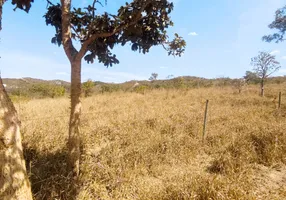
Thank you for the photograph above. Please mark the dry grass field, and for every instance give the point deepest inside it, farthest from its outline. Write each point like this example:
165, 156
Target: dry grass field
150, 146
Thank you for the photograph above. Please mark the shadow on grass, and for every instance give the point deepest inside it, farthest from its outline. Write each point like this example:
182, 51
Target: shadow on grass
49, 176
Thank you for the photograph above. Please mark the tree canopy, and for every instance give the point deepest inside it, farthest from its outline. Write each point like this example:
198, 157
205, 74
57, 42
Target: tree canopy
141, 23
278, 24
265, 64
21, 4
251, 77
153, 77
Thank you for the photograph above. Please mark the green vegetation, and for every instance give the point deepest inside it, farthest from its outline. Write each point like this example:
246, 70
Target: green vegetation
40, 89
45, 90
251, 77
87, 87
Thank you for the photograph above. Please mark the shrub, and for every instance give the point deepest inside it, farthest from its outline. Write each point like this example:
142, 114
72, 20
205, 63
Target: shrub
87, 87
46, 90
110, 88
141, 89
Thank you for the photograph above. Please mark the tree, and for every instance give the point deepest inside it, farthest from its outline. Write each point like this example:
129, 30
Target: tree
264, 65
170, 76
87, 87
141, 23
21, 4
280, 24
14, 182
46, 90
251, 77
239, 84
1, 11
153, 77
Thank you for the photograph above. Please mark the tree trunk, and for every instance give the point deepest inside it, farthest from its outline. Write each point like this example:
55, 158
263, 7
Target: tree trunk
1, 12
262, 88
1, 8
74, 132
14, 182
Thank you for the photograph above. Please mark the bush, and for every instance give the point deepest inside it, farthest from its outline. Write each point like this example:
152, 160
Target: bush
87, 87
179, 82
46, 90
110, 88
141, 89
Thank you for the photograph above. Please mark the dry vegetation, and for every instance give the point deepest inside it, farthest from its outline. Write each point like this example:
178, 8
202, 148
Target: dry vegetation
150, 146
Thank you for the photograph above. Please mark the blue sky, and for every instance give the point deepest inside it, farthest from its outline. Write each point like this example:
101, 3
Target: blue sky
222, 36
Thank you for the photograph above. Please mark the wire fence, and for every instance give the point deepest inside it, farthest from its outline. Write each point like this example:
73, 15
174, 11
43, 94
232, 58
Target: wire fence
207, 116
55, 116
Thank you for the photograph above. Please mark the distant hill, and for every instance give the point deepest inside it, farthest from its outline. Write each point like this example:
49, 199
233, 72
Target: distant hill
13, 83
188, 81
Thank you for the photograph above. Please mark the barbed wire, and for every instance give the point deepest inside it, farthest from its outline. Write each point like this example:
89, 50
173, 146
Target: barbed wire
27, 119
54, 116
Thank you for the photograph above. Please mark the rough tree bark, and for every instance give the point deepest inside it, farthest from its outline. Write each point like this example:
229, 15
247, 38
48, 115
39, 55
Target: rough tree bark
1, 7
262, 87
74, 133
72, 54
14, 182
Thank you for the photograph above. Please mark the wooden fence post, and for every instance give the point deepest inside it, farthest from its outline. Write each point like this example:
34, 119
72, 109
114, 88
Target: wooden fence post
279, 101
205, 121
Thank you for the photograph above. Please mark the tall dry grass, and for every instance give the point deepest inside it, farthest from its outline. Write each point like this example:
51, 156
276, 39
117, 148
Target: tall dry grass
150, 146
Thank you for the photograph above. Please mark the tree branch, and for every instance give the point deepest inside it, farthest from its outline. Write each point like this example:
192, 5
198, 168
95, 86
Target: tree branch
75, 32
119, 28
275, 70
93, 6
70, 50
49, 3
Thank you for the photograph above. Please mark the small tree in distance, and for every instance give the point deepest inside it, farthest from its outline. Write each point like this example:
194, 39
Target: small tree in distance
170, 76
264, 65
239, 84
251, 77
153, 77
87, 87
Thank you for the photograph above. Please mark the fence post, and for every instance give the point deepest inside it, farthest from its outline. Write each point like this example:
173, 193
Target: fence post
279, 101
205, 120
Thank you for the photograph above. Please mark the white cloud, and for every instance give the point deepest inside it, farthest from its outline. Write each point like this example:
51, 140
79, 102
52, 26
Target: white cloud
275, 52
283, 57
193, 34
